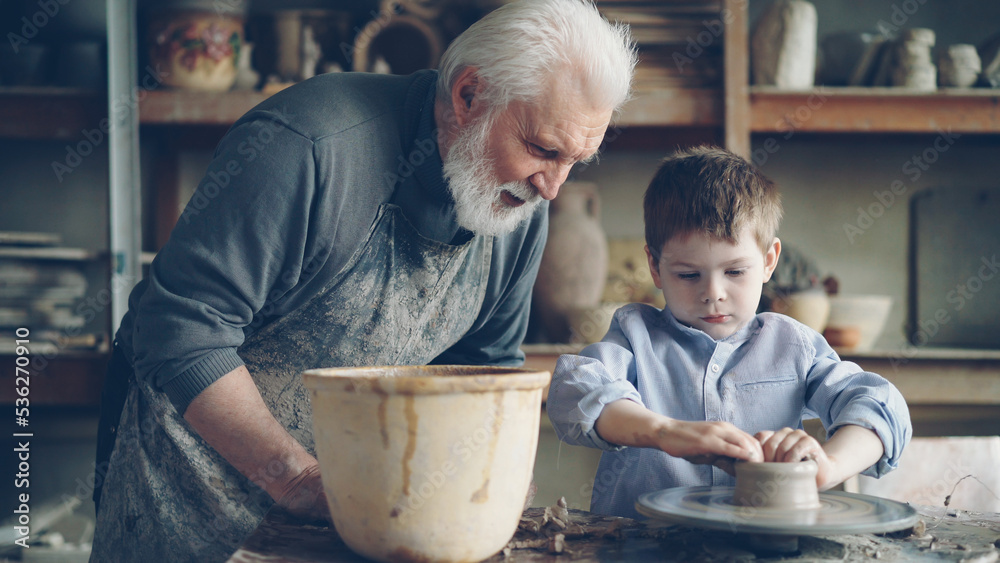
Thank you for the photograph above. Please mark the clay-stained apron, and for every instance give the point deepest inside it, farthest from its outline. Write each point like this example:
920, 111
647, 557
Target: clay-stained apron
401, 299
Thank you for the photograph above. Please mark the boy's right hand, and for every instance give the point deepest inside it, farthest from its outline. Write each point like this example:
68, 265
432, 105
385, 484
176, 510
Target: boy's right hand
627, 423
710, 443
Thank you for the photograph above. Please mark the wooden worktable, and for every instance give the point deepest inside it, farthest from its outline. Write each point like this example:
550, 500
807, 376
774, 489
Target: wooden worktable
950, 536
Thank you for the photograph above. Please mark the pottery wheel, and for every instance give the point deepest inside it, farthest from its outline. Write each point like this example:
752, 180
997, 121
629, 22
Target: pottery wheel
839, 513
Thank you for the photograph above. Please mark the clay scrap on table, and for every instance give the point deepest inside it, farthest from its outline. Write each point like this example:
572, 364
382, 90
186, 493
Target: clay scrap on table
552, 528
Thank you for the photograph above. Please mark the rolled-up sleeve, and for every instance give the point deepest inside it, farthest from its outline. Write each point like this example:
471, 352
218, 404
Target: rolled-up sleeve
842, 393
583, 384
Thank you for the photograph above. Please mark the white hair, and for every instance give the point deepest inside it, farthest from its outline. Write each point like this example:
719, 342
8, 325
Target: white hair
519, 47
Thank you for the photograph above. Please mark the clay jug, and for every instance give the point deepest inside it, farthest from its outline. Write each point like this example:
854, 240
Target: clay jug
574, 266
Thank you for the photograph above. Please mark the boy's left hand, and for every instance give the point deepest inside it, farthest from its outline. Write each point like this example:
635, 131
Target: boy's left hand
788, 445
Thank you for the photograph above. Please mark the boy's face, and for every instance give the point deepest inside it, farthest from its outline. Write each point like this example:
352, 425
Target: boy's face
710, 284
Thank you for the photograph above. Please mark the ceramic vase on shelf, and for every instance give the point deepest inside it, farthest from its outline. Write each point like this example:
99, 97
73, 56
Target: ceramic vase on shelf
574, 266
197, 42
783, 45
246, 77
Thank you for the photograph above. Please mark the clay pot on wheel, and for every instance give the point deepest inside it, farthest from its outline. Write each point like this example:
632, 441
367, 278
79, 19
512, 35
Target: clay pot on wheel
774, 485
574, 266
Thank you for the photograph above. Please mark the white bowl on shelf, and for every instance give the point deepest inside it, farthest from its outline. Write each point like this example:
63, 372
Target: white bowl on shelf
866, 314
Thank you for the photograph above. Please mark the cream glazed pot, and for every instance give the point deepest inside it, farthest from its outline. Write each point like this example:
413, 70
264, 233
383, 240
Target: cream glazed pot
426, 463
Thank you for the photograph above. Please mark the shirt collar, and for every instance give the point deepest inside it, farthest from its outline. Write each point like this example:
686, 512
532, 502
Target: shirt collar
423, 152
735, 339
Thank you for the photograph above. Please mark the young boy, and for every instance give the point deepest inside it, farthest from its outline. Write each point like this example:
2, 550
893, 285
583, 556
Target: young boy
675, 396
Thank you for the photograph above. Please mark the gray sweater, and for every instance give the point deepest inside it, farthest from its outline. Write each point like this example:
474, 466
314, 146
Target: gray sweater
289, 196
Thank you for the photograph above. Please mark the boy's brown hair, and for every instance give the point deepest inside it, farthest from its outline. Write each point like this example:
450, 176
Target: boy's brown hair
710, 190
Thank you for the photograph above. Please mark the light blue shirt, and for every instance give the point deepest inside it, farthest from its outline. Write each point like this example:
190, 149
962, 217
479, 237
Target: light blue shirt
772, 373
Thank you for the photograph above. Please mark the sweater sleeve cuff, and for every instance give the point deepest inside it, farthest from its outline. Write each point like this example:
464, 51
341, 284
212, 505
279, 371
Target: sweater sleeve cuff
182, 389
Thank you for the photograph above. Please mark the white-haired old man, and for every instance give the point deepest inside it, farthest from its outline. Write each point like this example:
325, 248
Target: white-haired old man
353, 219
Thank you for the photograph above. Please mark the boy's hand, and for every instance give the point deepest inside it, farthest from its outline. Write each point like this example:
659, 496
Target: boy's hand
787, 445
715, 443
628, 423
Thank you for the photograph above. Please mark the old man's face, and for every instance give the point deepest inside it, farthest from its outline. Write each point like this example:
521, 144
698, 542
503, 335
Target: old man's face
502, 164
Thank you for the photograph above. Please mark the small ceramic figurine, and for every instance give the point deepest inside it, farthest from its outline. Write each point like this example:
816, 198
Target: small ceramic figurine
381, 66
311, 53
913, 67
246, 77
783, 45
959, 66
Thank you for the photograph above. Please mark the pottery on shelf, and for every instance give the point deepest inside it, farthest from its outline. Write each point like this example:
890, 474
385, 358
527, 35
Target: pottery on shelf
589, 324
913, 67
403, 43
288, 39
310, 53
866, 314
246, 77
783, 45
426, 463
810, 307
574, 266
776, 485
989, 56
959, 66
197, 43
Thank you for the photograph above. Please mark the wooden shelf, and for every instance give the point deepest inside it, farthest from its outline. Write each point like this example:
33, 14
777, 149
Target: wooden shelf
678, 107
50, 113
179, 107
50, 253
874, 110
68, 379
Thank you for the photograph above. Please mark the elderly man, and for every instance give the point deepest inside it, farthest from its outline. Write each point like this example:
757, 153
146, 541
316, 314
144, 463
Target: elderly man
352, 219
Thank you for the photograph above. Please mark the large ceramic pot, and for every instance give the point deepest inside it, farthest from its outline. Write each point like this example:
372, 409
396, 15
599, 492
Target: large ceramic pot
428, 463
196, 43
574, 267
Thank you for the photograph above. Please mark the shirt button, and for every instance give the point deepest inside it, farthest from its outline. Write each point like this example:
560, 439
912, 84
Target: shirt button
715, 368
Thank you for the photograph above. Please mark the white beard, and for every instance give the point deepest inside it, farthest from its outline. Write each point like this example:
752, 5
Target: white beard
470, 179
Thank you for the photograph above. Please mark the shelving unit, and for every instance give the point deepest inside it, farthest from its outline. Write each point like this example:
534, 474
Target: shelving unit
46, 119
875, 110
177, 107
48, 113
175, 119
49, 253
